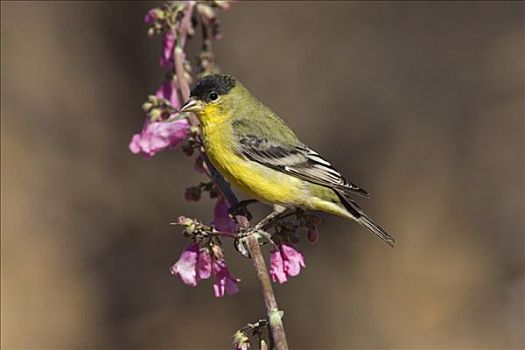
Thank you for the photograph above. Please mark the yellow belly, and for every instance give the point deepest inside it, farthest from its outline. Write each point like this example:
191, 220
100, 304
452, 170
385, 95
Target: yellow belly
256, 180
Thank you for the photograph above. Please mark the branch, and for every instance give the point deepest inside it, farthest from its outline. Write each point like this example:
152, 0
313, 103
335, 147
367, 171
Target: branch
274, 315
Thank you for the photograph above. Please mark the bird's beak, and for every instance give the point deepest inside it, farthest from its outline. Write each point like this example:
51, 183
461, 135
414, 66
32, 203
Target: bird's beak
191, 106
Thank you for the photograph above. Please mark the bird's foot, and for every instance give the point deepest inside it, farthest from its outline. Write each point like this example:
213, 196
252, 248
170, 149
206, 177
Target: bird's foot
259, 230
274, 216
241, 241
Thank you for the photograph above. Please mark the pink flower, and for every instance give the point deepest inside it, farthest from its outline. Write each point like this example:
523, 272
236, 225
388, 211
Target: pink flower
157, 136
151, 16
197, 264
168, 42
221, 218
284, 262
223, 281
185, 267
193, 265
168, 92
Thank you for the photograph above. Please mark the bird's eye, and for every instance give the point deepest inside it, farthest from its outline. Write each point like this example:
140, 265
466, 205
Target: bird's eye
213, 96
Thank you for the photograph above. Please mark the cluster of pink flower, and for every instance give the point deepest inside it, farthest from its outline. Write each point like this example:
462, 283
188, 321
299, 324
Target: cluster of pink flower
196, 263
285, 261
165, 128
158, 134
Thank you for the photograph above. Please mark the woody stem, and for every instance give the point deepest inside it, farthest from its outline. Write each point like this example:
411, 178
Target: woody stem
274, 314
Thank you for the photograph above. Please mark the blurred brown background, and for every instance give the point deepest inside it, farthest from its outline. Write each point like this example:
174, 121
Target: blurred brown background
421, 103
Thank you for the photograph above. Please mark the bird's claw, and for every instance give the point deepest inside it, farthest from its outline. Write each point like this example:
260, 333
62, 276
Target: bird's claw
241, 241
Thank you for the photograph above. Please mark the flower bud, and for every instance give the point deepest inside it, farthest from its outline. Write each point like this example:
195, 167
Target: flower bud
188, 149
182, 220
200, 166
263, 345
159, 13
193, 194
189, 229
240, 341
315, 220
313, 234
206, 11
146, 106
214, 192
225, 5
217, 252
155, 114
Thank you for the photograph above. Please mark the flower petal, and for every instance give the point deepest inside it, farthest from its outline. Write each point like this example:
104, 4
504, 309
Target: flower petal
221, 217
224, 282
157, 136
168, 42
277, 267
185, 267
204, 264
168, 92
293, 260
134, 145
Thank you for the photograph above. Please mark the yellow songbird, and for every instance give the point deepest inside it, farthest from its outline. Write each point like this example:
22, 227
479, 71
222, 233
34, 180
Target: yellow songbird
255, 150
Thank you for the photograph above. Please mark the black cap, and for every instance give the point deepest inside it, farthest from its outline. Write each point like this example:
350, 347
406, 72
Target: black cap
221, 84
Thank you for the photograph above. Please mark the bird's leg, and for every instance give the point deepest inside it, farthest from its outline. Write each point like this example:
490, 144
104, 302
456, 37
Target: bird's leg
240, 240
274, 215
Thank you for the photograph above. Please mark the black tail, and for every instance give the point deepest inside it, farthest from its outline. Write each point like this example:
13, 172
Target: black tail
360, 216
376, 229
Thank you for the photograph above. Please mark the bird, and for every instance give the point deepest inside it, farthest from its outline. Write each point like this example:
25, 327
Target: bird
254, 149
